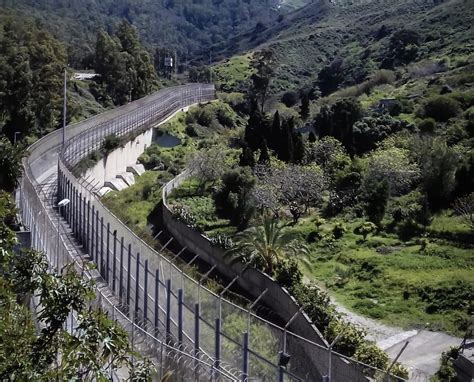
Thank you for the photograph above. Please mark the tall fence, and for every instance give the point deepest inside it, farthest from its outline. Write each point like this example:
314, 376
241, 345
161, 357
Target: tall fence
206, 334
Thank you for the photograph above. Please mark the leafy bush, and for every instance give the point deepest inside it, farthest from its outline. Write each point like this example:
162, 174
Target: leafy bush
351, 337
233, 199
290, 98
317, 305
182, 214
191, 131
222, 241
339, 230
288, 275
372, 355
375, 195
111, 142
365, 229
441, 108
447, 297
447, 371
427, 125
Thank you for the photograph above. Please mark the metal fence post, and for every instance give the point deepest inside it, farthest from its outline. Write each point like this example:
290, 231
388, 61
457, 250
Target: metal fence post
107, 259
79, 220
168, 309
180, 317
137, 285
129, 274
121, 270
217, 344
157, 299
245, 357
88, 232
196, 335
101, 261
114, 261
145, 293
97, 231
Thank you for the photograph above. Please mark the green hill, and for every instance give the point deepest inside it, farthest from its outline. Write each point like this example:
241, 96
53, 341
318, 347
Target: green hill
185, 26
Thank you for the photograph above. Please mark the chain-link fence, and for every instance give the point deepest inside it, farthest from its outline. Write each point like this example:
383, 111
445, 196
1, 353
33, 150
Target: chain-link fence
201, 334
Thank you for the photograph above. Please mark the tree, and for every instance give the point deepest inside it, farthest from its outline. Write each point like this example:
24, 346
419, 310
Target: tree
338, 120
464, 207
97, 345
371, 130
304, 108
31, 69
375, 195
263, 63
298, 147
207, 166
329, 154
299, 187
441, 108
438, 164
125, 68
331, 76
264, 246
394, 166
10, 163
247, 157
402, 49
233, 199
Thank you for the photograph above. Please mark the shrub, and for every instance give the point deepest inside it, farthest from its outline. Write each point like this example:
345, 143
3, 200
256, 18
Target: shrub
365, 229
233, 198
338, 230
290, 98
375, 195
111, 142
372, 355
317, 305
191, 131
222, 241
441, 108
427, 125
351, 337
288, 275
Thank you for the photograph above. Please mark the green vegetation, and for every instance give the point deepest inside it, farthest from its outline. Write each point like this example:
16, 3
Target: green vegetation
391, 246
185, 27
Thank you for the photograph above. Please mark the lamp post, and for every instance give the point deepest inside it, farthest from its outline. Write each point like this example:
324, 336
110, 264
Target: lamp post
61, 204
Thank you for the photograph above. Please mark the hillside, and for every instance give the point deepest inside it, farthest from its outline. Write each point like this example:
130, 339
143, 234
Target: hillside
310, 38
187, 27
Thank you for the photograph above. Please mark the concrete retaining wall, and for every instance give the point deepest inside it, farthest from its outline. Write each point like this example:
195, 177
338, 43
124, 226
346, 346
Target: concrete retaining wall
254, 282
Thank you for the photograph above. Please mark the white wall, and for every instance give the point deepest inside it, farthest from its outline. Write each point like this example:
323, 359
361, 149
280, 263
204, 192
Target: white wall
118, 160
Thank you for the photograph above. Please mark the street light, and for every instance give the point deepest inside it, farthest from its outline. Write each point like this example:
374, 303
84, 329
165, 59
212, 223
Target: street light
61, 204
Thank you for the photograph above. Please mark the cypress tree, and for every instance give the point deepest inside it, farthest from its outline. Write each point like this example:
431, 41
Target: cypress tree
264, 156
246, 157
298, 147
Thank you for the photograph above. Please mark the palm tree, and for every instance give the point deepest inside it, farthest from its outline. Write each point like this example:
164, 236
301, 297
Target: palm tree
267, 244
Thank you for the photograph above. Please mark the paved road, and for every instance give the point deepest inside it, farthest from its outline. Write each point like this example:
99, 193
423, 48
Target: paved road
422, 355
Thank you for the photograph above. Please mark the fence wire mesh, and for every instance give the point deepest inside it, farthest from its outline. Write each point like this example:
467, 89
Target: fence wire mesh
197, 332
